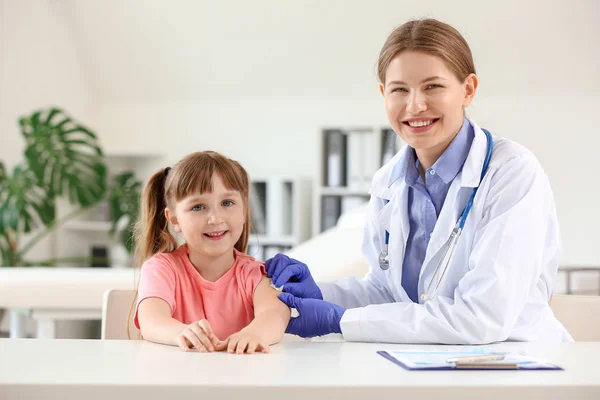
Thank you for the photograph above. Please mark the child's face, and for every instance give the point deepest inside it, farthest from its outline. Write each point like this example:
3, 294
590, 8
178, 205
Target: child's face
211, 223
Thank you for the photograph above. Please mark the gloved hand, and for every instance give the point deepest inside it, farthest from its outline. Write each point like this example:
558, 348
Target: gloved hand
316, 317
293, 275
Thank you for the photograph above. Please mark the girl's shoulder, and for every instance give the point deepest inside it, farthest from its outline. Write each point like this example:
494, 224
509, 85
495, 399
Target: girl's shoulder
166, 261
248, 270
245, 261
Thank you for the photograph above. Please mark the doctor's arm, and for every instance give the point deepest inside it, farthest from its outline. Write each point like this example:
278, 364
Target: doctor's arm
507, 260
353, 291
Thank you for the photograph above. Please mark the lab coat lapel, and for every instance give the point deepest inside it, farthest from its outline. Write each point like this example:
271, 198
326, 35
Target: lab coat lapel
471, 172
396, 195
456, 199
396, 208
394, 218
445, 223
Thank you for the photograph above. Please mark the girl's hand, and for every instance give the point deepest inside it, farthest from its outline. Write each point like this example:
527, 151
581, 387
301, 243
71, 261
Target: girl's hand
198, 335
244, 341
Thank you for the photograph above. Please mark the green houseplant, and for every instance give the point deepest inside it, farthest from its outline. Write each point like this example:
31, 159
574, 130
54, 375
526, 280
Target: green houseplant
62, 159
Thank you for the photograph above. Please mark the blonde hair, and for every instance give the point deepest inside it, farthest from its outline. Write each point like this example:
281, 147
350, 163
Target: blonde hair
192, 174
432, 37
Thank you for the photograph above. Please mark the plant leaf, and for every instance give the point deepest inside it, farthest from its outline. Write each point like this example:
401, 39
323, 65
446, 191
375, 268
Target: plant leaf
124, 203
2, 173
23, 204
64, 156
5, 250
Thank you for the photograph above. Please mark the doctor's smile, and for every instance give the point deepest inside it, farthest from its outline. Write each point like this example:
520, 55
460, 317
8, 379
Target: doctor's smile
420, 125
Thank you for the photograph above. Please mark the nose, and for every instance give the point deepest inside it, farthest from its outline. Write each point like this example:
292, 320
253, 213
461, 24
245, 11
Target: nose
415, 102
214, 216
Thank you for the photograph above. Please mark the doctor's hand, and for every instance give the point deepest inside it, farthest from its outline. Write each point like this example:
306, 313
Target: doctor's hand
315, 317
293, 275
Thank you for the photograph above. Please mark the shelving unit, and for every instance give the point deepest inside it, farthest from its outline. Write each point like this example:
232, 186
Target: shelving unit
349, 158
76, 237
280, 211
88, 225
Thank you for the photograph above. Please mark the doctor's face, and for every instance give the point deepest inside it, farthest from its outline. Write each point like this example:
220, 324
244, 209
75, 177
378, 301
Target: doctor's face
425, 102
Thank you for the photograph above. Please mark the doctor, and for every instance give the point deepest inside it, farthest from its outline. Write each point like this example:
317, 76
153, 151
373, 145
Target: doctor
429, 280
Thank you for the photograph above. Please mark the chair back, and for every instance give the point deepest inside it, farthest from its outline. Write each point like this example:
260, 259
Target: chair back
579, 315
115, 315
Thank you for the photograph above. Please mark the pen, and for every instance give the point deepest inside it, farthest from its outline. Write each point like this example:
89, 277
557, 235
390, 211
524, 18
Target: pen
486, 365
476, 359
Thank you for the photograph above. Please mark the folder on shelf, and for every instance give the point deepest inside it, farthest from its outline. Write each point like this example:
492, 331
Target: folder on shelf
354, 159
331, 211
275, 209
336, 158
258, 207
389, 147
350, 203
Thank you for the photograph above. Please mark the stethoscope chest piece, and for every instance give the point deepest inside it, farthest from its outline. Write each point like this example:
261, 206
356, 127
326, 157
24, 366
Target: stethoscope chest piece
384, 260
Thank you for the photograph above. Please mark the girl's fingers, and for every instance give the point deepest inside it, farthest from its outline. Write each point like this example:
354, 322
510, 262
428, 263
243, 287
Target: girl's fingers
194, 339
265, 348
222, 345
233, 341
242, 345
252, 346
205, 325
199, 332
239, 344
183, 343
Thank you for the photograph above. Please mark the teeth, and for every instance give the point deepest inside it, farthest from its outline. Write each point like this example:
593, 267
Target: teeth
215, 233
420, 123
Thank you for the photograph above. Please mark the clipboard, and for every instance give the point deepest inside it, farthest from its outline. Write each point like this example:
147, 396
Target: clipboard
437, 361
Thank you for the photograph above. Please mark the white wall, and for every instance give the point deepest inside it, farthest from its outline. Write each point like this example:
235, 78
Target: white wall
39, 67
256, 80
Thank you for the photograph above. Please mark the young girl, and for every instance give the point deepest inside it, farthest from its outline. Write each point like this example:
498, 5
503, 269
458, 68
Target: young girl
205, 294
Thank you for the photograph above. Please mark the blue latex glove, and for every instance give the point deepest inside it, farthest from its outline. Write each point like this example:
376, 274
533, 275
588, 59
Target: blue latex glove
316, 317
293, 275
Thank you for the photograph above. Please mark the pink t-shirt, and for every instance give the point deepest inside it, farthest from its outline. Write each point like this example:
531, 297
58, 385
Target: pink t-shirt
228, 303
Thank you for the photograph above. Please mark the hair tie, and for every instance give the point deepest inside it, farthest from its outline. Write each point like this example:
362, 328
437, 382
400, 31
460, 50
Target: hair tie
167, 171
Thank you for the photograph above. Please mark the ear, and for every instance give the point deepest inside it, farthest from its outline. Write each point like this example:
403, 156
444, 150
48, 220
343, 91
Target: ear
471, 83
381, 88
172, 219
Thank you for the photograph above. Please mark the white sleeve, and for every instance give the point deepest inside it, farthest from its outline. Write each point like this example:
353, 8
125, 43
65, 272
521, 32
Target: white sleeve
515, 239
352, 292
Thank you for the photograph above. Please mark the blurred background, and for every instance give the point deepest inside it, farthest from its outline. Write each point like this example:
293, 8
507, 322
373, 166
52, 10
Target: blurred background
288, 89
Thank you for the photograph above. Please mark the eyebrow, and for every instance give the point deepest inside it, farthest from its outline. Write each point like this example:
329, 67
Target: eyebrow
431, 78
202, 197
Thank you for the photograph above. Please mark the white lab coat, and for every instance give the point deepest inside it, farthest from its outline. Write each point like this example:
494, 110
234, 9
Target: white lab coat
500, 280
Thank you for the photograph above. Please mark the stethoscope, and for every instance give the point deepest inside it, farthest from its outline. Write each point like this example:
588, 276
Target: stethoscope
450, 245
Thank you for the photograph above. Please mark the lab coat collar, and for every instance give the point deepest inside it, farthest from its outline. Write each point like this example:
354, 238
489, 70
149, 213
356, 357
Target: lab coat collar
385, 179
471, 173
472, 166
382, 187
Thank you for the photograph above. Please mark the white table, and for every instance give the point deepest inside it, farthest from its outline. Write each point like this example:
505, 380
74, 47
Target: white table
51, 294
303, 370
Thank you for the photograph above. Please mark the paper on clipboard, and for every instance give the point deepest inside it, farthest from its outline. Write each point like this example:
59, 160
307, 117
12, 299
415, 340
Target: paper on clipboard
437, 360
